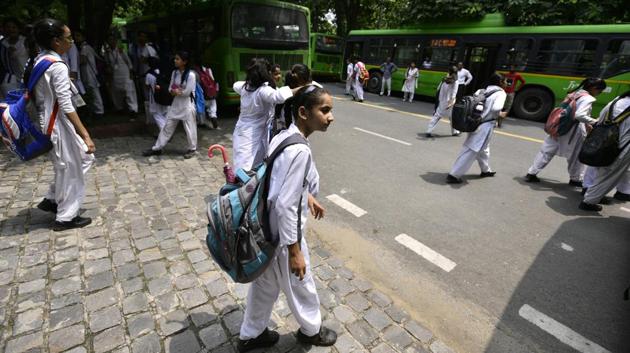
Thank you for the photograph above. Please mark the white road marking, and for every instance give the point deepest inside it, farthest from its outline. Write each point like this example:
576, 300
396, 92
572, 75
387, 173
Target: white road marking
560, 331
346, 205
625, 209
426, 252
566, 247
383, 136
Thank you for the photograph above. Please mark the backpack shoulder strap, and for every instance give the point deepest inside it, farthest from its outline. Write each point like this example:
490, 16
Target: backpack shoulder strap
621, 117
39, 70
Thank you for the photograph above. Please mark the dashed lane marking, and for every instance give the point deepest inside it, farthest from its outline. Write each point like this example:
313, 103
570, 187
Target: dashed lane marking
566, 247
346, 205
560, 331
445, 121
382, 136
625, 209
429, 254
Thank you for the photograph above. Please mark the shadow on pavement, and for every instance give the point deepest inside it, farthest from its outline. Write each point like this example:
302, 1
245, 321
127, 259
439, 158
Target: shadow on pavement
577, 279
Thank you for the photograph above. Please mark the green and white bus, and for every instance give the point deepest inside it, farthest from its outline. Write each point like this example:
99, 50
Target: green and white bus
551, 59
326, 56
226, 34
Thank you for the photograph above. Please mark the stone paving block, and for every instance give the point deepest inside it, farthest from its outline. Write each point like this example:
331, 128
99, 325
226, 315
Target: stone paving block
232, 322
64, 317
167, 302
186, 281
149, 255
32, 260
102, 299
327, 299
344, 314
123, 256
160, 285
66, 300
344, 272
217, 288
345, 343
77, 350
193, 297
334, 262
173, 322
225, 304
397, 337
197, 256
28, 321
106, 318
32, 286
397, 314
97, 266
66, 269
135, 303
7, 277
31, 301
140, 324
145, 243
68, 254
27, 275
203, 266
96, 254
66, 242
418, 331
66, 338
416, 348
240, 290
362, 332
377, 318
25, 343
341, 286
180, 268
119, 245
96, 243
99, 281
154, 269
185, 342
325, 273
66, 285
357, 302
108, 339
203, 315
126, 271
132, 285
440, 347
213, 336
147, 344
361, 284
379, 298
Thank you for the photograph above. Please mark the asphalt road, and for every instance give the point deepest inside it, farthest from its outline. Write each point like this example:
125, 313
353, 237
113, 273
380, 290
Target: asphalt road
515, 267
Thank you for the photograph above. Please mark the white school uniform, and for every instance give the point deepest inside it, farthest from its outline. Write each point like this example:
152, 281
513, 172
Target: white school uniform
17, 55
257, 107
182, 109
69, 157
477, 144
89, 78
411, 80
122, 86
211, 104
446, 97
72, 60
157, 111
286, 188
464, 77
616, 174
357, 85
567, 145
349, 72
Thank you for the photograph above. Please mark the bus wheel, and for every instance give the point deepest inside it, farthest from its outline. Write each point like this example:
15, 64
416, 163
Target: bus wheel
533, 104
374, 83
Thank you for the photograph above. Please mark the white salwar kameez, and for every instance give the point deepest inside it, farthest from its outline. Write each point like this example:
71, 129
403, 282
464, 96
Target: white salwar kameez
477, 144
446, 99
257, 107
357, 84
286, 188
349, 72
616, 174
123, 90
89, 78
410, 84
156, 111
182, 109
69, 157
567, 145
17, 56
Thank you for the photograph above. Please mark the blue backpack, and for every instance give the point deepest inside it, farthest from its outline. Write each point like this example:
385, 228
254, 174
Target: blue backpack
200, 103
239, 237
18, 132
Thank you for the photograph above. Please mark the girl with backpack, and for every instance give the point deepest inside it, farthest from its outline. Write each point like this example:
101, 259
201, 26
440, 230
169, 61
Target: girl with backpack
182, 87
72, 154
258, 99
447, 92
569, 144
477, 144
293, 176
157, 111
411, 82
618, 173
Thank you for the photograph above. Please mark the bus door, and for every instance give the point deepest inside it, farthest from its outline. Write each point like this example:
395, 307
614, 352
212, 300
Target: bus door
480, 60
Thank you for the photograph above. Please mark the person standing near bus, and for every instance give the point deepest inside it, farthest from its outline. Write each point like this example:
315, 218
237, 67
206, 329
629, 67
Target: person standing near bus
464, 77
388, 68
357, 79
87, 65
513, 83
13, 57
349, 72
140, 54
121, 84
182, 87
411, 82
477, 144
569, 145
446, 99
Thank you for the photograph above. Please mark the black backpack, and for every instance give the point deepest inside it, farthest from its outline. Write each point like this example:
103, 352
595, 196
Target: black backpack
466, 116
161, 96
601, 146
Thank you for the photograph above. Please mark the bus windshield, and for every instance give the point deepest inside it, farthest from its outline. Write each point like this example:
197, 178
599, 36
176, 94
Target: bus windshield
329, 44
253, 24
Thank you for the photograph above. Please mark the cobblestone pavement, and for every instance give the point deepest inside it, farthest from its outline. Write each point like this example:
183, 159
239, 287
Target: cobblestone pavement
140, 279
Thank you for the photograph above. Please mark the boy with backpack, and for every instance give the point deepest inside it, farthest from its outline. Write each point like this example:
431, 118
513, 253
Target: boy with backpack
359, 78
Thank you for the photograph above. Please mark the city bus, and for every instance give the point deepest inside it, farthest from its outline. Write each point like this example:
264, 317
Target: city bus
226, 34
551, 59
326, 56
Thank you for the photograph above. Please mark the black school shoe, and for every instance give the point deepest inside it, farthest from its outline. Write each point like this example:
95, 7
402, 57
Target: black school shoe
575, 183
189, 154
326, 337
453, 180
151, 152
76, 222
532, 178
621, 196
48, 206
266, 339
589, 207
487, 174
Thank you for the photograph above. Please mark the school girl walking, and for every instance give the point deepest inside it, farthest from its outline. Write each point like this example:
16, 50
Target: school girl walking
446, 99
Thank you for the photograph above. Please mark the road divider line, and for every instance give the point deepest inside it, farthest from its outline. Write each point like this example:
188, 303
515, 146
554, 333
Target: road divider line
429, 254
346, 205
566, 247
382, 136
625, 209
445, 121
560, 331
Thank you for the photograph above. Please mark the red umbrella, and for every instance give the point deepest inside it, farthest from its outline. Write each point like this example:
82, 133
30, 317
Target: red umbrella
227, 170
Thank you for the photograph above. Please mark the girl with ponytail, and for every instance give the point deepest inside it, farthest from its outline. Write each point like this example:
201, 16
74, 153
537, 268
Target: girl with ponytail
73, 149
569, 144
599, 181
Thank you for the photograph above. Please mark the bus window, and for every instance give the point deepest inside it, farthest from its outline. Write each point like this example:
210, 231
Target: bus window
567, 56
441, 52
268, 23
354, 49
616, 59
329, 44
407, 51
518, 53
378, 50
